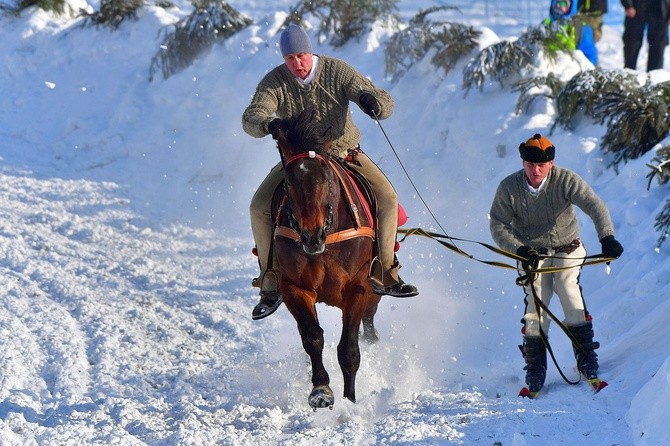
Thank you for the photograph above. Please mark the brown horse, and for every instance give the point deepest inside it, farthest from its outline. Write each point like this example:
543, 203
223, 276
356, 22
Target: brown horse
323, 248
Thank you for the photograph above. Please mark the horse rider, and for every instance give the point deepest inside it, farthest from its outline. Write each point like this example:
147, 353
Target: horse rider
328, 84
533, 214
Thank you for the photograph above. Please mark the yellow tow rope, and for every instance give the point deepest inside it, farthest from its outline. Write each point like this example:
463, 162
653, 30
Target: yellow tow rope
440, 238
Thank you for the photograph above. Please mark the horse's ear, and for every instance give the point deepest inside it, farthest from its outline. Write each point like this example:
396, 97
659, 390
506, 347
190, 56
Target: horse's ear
283, 145
328, 135
307, 114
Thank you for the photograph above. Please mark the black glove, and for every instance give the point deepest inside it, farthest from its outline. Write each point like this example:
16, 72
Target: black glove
274, 127
611, 247
530, 255
369, 104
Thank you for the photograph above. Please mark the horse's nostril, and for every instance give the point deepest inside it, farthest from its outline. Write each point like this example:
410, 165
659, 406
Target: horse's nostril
313, 243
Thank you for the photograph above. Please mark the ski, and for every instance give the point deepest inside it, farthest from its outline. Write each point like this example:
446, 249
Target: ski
596, 384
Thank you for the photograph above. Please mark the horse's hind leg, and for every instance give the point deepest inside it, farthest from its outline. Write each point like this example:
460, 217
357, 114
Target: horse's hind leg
370, 333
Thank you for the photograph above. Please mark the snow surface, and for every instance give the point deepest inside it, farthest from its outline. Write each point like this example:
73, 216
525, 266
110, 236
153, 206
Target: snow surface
126, 266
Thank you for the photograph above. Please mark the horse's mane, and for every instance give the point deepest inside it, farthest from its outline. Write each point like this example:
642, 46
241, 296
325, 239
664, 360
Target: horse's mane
304, 133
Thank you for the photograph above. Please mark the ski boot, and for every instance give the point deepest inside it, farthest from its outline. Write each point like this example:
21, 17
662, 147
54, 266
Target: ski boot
534, 353
587, 358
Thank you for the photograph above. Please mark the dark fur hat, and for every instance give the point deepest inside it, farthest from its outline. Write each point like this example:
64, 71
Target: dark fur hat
537, 149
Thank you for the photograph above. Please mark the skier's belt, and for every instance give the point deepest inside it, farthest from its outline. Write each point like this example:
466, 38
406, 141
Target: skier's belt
565, 249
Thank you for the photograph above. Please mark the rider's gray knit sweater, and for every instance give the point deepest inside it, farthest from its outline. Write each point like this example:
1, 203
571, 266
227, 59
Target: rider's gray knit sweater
279, 94
547, 218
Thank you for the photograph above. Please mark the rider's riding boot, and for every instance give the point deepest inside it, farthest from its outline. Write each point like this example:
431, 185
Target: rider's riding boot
396, 289
535, 354
392, 285
271, 299
587, 358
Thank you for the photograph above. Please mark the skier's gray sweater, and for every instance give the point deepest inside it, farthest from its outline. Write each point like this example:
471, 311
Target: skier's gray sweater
546, 219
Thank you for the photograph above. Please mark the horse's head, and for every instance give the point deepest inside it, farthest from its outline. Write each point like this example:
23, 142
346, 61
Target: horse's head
308, 179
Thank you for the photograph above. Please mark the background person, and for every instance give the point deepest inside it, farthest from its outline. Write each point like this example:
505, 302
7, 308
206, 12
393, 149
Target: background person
580, 34
592, 12
641, 14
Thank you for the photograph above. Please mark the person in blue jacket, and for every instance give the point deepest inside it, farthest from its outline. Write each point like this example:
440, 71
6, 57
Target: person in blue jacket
579, 32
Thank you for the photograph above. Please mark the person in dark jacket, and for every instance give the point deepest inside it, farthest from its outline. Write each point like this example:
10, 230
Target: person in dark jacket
533, 214
653, 15
592, 12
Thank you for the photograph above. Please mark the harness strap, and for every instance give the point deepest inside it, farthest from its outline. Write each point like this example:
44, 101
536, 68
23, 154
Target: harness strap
350, 200
340, 236
353, 184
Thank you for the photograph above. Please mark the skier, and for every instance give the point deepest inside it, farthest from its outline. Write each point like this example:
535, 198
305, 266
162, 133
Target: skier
533, 215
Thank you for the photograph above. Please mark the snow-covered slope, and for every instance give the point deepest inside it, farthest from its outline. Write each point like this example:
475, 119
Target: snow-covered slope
125, 315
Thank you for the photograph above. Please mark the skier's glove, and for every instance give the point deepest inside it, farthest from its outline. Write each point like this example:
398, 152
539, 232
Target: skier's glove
530, 255
369, 104
611, 247
273, 128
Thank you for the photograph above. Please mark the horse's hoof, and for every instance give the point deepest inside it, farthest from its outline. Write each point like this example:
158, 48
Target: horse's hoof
321, 397
370, 335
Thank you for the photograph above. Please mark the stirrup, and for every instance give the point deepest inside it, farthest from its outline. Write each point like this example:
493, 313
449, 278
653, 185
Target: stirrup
270, 301
376, 273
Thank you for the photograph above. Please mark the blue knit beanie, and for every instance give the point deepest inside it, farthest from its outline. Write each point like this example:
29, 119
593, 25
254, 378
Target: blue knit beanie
294, 40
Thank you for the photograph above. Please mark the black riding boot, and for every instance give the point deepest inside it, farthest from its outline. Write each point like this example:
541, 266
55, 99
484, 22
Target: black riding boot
587, 358
535, 354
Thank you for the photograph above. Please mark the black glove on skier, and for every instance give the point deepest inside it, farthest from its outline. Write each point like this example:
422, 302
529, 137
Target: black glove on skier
530, 255
369, 104
611, 247
273, 128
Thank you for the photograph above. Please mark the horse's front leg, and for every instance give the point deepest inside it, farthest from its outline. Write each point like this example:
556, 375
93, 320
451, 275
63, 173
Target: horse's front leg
348, 351
301, 304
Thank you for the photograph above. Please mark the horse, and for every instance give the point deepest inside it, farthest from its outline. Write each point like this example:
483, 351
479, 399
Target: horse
323, 247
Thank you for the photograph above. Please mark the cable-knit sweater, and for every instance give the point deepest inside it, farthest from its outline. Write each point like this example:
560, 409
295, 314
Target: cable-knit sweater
546, 219
335, 84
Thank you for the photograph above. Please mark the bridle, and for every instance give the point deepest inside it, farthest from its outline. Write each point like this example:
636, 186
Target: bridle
293, 223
